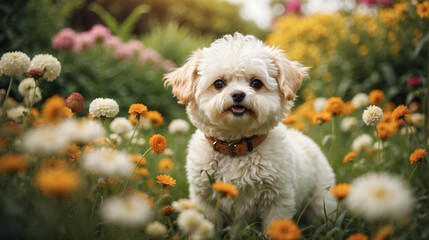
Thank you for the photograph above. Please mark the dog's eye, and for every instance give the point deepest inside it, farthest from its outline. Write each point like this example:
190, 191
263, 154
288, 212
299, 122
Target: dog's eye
218, 84
256, 84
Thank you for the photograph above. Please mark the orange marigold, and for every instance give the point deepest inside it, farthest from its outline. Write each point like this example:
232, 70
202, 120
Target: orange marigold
385, 130
340, 190
68, 113
357, 236
417, 155
142, 171
348, 108
384, 232
167, 210
376, 97
155, 117
166, 165
401, 112
12, 163
136, 157
349, 156
137, 109
53, 109
290, 119
73, 152
226, 189
158, 143
282, 229
56, 182
165, 180
299, 125
334, 105
322, 117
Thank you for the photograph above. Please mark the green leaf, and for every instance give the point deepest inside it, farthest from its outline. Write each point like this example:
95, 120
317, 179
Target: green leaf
420, 44
108, 19
127, 26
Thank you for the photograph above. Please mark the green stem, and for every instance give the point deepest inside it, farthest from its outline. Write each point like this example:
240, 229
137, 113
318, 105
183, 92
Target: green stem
219, 197
334, 139
4, 101
308, 203
412, 174
134, 169
135, 129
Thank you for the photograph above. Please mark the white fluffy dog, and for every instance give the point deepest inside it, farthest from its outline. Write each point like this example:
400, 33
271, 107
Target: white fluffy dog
237, 92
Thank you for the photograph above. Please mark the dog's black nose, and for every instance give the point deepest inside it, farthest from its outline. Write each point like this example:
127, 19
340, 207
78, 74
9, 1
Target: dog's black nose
238, 96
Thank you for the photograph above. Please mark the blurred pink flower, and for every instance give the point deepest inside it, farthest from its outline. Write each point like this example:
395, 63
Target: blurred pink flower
75, 102
136, 45
100, 32
414, 82
149, 55
127, 50
292, 6
64, 40
168, 64
112, 42
84, 41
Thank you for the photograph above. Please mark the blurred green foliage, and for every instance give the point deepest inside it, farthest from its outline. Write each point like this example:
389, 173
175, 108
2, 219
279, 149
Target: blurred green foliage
208, 17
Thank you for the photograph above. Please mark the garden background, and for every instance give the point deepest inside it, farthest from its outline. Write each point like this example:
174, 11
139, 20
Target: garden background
368, 52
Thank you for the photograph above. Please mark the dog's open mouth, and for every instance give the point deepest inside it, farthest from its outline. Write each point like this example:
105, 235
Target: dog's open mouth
238, 110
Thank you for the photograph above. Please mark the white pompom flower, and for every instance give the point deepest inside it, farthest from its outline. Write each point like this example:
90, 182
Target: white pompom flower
178, 126
372, 115
121, 125
360, 100
361, 142
14, 63
189, 220
156, 229
380, 197
48, 64
108, 162
104, 107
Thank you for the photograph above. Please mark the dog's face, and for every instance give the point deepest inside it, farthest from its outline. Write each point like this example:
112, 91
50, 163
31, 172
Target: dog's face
238, 87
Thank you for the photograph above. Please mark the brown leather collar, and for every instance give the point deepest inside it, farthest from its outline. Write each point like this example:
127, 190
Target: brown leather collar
237, 148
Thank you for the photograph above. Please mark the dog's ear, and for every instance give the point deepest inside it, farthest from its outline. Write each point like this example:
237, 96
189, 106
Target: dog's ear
290, 75
182, 79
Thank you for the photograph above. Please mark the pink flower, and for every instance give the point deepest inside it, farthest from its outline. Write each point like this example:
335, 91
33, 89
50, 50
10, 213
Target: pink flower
84, 40
136, 45
149, 55
112, 42
64, 40
35, 73
414, 82
100, 32
75, 102
292, 6
168, 64
127, 50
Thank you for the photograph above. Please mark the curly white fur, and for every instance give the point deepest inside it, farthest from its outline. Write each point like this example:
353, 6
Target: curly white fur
279, 176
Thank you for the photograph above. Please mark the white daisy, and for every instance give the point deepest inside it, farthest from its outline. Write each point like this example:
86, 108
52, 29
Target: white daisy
45, 140
360, 100
319, 104
48, 64
418, 119
14, 63
380, 196
103, 107
82, 130
204, 231
156, 229
372, 115
178, 126
361, 142
348, 123
108, 162
26, 85
184, 204
17, 113
189, 220
121, 125
132, 210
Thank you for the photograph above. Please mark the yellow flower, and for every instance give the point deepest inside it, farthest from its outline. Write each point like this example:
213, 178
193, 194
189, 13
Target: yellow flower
137, 109
423, 9
158, 143
401, 112
376, 97
354, 38
156, 117
401, 7
340, 190
322, 117
12, 163
73, 152
142, 171
349, 156
282, 229
348, 108
225, 188
357, 236
166, 165
56, 181
299, 125
334, 105
53, 109
165, 180
68, 112
136, 157
417, 155
384, 232
363, 50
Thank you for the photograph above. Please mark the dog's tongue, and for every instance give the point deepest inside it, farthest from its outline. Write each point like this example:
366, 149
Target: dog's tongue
238, 109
